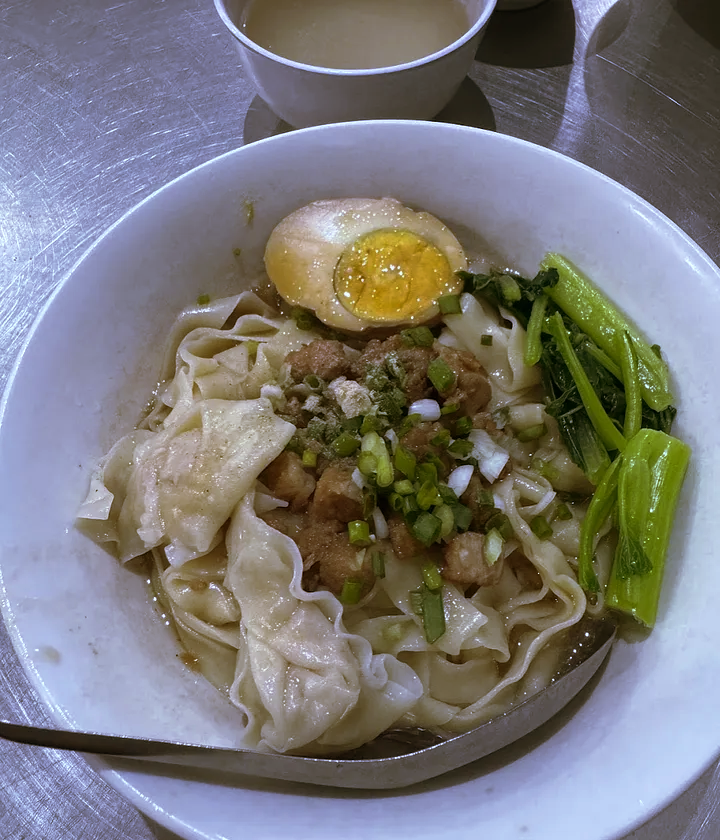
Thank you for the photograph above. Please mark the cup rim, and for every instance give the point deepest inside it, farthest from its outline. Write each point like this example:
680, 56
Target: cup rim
220, 8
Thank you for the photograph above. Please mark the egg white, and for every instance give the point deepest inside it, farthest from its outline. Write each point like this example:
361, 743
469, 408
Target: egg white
303, 251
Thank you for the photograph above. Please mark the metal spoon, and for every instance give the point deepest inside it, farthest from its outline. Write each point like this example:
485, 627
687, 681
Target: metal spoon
397, 759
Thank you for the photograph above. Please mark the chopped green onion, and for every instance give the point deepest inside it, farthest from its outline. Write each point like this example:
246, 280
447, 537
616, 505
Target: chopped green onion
418, 336
463, 426
409, 505
309, 458
445, 515
416, 601
633, 394
431, 575
427, 528
237, 252
378, 564
313, 382
461, 448
433, 613
484, 498
371, 423
531, 433
450, 408
427, 496
442, 438
203, 300
369, 495
408, 424
427, 472
436, 462
462, 516
441, 375
406, 462
541, 528
304, 319
533, 345
545, 469
447, 494
486, 340
367, 463
345, 444
372, 443
502, 524
404, 487
359, 532
449, 304
351, 591
510, 289
492, 546
562, 511
395, 500
252, 348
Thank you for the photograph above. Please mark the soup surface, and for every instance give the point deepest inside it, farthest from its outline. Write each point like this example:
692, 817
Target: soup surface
354, 34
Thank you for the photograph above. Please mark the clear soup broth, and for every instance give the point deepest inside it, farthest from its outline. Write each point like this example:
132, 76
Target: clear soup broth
354, 34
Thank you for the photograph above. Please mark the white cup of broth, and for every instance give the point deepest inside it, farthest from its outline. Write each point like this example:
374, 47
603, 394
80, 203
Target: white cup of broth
324, 61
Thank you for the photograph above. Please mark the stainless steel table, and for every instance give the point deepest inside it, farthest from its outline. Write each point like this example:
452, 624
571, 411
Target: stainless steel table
102, 102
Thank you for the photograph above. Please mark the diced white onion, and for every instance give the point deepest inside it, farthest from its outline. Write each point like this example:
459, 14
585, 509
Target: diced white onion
429, 410
490, 456
357, 478
382, 532
459, 479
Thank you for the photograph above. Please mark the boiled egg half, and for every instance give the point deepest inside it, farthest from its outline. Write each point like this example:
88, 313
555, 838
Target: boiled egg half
364, 262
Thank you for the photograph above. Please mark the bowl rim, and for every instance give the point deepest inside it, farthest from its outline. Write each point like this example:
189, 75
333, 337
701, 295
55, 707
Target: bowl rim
319, 70
117, 772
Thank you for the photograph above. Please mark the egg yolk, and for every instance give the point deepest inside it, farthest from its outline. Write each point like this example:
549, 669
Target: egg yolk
389, 275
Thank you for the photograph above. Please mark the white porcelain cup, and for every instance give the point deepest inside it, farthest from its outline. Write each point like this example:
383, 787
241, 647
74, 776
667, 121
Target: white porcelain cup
305, 95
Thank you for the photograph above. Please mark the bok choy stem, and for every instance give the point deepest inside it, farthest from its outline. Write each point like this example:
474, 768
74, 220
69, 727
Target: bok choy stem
599, 318
650, 477
599, 509
633, 395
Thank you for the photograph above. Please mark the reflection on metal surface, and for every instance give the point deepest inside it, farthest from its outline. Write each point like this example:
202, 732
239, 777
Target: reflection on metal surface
104, 102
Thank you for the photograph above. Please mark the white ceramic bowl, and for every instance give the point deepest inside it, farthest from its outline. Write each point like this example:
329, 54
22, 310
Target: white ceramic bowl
305, 95
84, 628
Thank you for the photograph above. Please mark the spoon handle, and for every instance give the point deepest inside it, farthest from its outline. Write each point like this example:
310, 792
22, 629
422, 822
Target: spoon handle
415, 763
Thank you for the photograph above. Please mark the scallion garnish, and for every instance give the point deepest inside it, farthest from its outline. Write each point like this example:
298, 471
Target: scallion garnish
404, 487
351, 591
406, 462
463, 426
445, 515
462, 516
442, 438
367, 464
433, 613
345, 444
431, 575
427, 528
460, 448
501, 522
531, 433
492, 546
418, 337
541, 527
450, 408
486, 340
563, 512
359, 532
203, 300
449, 304
309, 458
427, 471
441, 375
427, 496
378, 564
